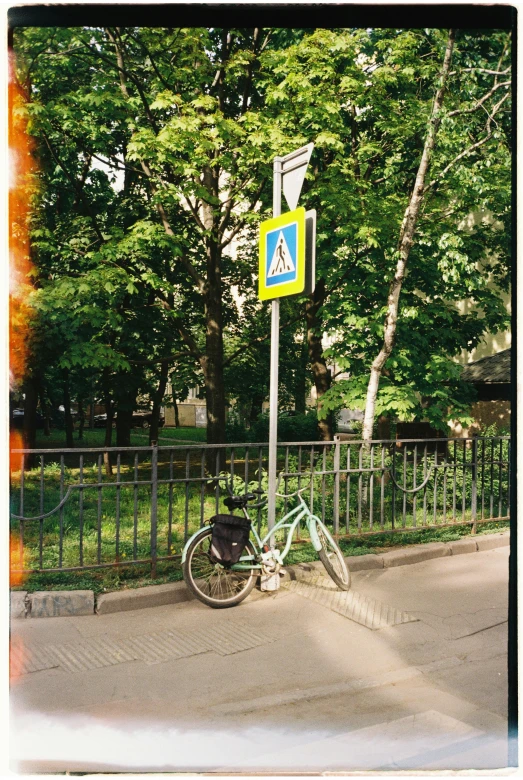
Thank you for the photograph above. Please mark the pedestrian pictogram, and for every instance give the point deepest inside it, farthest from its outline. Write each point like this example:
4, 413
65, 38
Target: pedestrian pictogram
281, 262
282, 255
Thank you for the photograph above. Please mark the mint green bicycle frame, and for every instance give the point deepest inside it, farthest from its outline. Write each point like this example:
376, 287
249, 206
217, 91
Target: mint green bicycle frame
298, 513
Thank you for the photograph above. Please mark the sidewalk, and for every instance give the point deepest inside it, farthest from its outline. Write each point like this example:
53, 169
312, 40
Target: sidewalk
280, 683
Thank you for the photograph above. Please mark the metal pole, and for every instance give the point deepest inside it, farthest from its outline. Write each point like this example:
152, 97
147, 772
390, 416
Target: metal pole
275, 338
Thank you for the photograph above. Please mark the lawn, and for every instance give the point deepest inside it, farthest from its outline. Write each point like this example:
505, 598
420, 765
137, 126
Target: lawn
139, 437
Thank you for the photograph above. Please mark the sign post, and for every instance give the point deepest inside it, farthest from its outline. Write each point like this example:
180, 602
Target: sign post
282, 272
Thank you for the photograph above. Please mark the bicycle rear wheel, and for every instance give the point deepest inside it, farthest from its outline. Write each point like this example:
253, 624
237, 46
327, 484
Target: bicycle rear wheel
332, 558
212, 583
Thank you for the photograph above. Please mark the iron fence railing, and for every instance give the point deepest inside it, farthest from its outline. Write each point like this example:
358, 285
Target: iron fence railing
76, 509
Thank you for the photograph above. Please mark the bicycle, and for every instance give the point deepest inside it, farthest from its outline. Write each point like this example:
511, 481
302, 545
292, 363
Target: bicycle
220, 586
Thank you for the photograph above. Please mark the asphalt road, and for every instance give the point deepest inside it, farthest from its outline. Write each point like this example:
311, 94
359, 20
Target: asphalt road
280, 683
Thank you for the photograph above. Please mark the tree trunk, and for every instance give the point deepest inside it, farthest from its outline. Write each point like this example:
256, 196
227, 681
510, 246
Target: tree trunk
157, 402
176, 411
125, 402
405, 242
124, 423
320, 372
300, 384
67, 411
81, 417
256, 408
45, 411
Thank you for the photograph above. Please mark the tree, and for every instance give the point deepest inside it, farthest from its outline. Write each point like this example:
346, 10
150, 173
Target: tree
380, 86
191, 119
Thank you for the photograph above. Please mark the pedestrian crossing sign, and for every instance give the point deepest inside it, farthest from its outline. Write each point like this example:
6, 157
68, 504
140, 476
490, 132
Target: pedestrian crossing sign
282, 256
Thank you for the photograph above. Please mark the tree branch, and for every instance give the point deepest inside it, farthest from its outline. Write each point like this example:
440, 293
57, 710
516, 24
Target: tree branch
480, 102
471, 148
258, 340
78, 189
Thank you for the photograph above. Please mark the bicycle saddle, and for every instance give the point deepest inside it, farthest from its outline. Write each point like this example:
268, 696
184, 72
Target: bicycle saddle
238, 501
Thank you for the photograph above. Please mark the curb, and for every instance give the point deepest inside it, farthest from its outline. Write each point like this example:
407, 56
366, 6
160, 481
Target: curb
61, 603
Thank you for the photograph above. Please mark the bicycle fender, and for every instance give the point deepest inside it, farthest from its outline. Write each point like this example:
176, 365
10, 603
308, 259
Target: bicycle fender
199, 532
315, 540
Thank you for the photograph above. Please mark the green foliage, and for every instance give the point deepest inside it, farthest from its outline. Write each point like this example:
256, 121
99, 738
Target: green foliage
291, 427
147, 176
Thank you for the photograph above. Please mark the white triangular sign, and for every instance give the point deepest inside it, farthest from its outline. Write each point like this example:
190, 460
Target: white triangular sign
294, 167
282, 262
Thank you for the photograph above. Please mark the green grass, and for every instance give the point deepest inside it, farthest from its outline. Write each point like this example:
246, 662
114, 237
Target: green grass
106, 580
139, 437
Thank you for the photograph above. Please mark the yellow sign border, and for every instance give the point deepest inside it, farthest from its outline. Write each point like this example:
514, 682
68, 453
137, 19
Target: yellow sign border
286, 288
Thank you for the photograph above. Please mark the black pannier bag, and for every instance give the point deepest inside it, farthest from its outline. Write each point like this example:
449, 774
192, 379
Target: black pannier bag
229, 537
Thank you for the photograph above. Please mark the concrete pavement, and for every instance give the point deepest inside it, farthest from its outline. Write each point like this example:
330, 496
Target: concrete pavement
280, 683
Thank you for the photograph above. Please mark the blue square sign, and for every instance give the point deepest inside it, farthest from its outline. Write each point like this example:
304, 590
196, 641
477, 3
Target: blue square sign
282, 255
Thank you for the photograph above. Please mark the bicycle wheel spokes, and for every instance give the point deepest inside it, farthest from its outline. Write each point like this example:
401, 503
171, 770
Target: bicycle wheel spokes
333, 560
213, 583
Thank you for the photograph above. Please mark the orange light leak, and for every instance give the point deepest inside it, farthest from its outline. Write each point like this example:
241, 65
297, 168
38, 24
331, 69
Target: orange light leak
21, 188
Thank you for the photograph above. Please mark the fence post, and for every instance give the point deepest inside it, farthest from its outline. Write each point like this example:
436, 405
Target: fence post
474, 490
336, 519
154, 507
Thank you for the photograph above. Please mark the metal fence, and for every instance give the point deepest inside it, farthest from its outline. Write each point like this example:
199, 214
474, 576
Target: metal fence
77, 509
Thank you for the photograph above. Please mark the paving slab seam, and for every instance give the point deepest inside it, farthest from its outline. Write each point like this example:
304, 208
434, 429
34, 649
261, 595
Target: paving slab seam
63, 603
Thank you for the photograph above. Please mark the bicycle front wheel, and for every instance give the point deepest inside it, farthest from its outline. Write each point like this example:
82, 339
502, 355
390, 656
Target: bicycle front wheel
216, 585
332, 558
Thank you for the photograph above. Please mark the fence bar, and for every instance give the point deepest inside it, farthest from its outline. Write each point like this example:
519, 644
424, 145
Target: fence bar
435, 497
371, 485
41, 485
81, 513
99, 513
41, 523
404, 486
61, 542
483, 443
187, 495
347, 508
445, 464
324, 469
414, 484
260, 470
508, 479
491, 477
117, 534
455, 459
500, 511
463, 487
21, 510
135, 508
286, 482
382, 491
202, 490
473, 494
246, 472
393, 518
336, 497
360, 464
425, 488
154, 508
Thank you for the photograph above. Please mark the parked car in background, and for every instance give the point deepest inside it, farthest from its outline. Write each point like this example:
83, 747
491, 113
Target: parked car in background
17, 419
141, 419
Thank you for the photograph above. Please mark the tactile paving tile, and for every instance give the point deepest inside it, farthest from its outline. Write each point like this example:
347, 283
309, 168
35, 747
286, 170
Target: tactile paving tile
155, 648
351, 604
